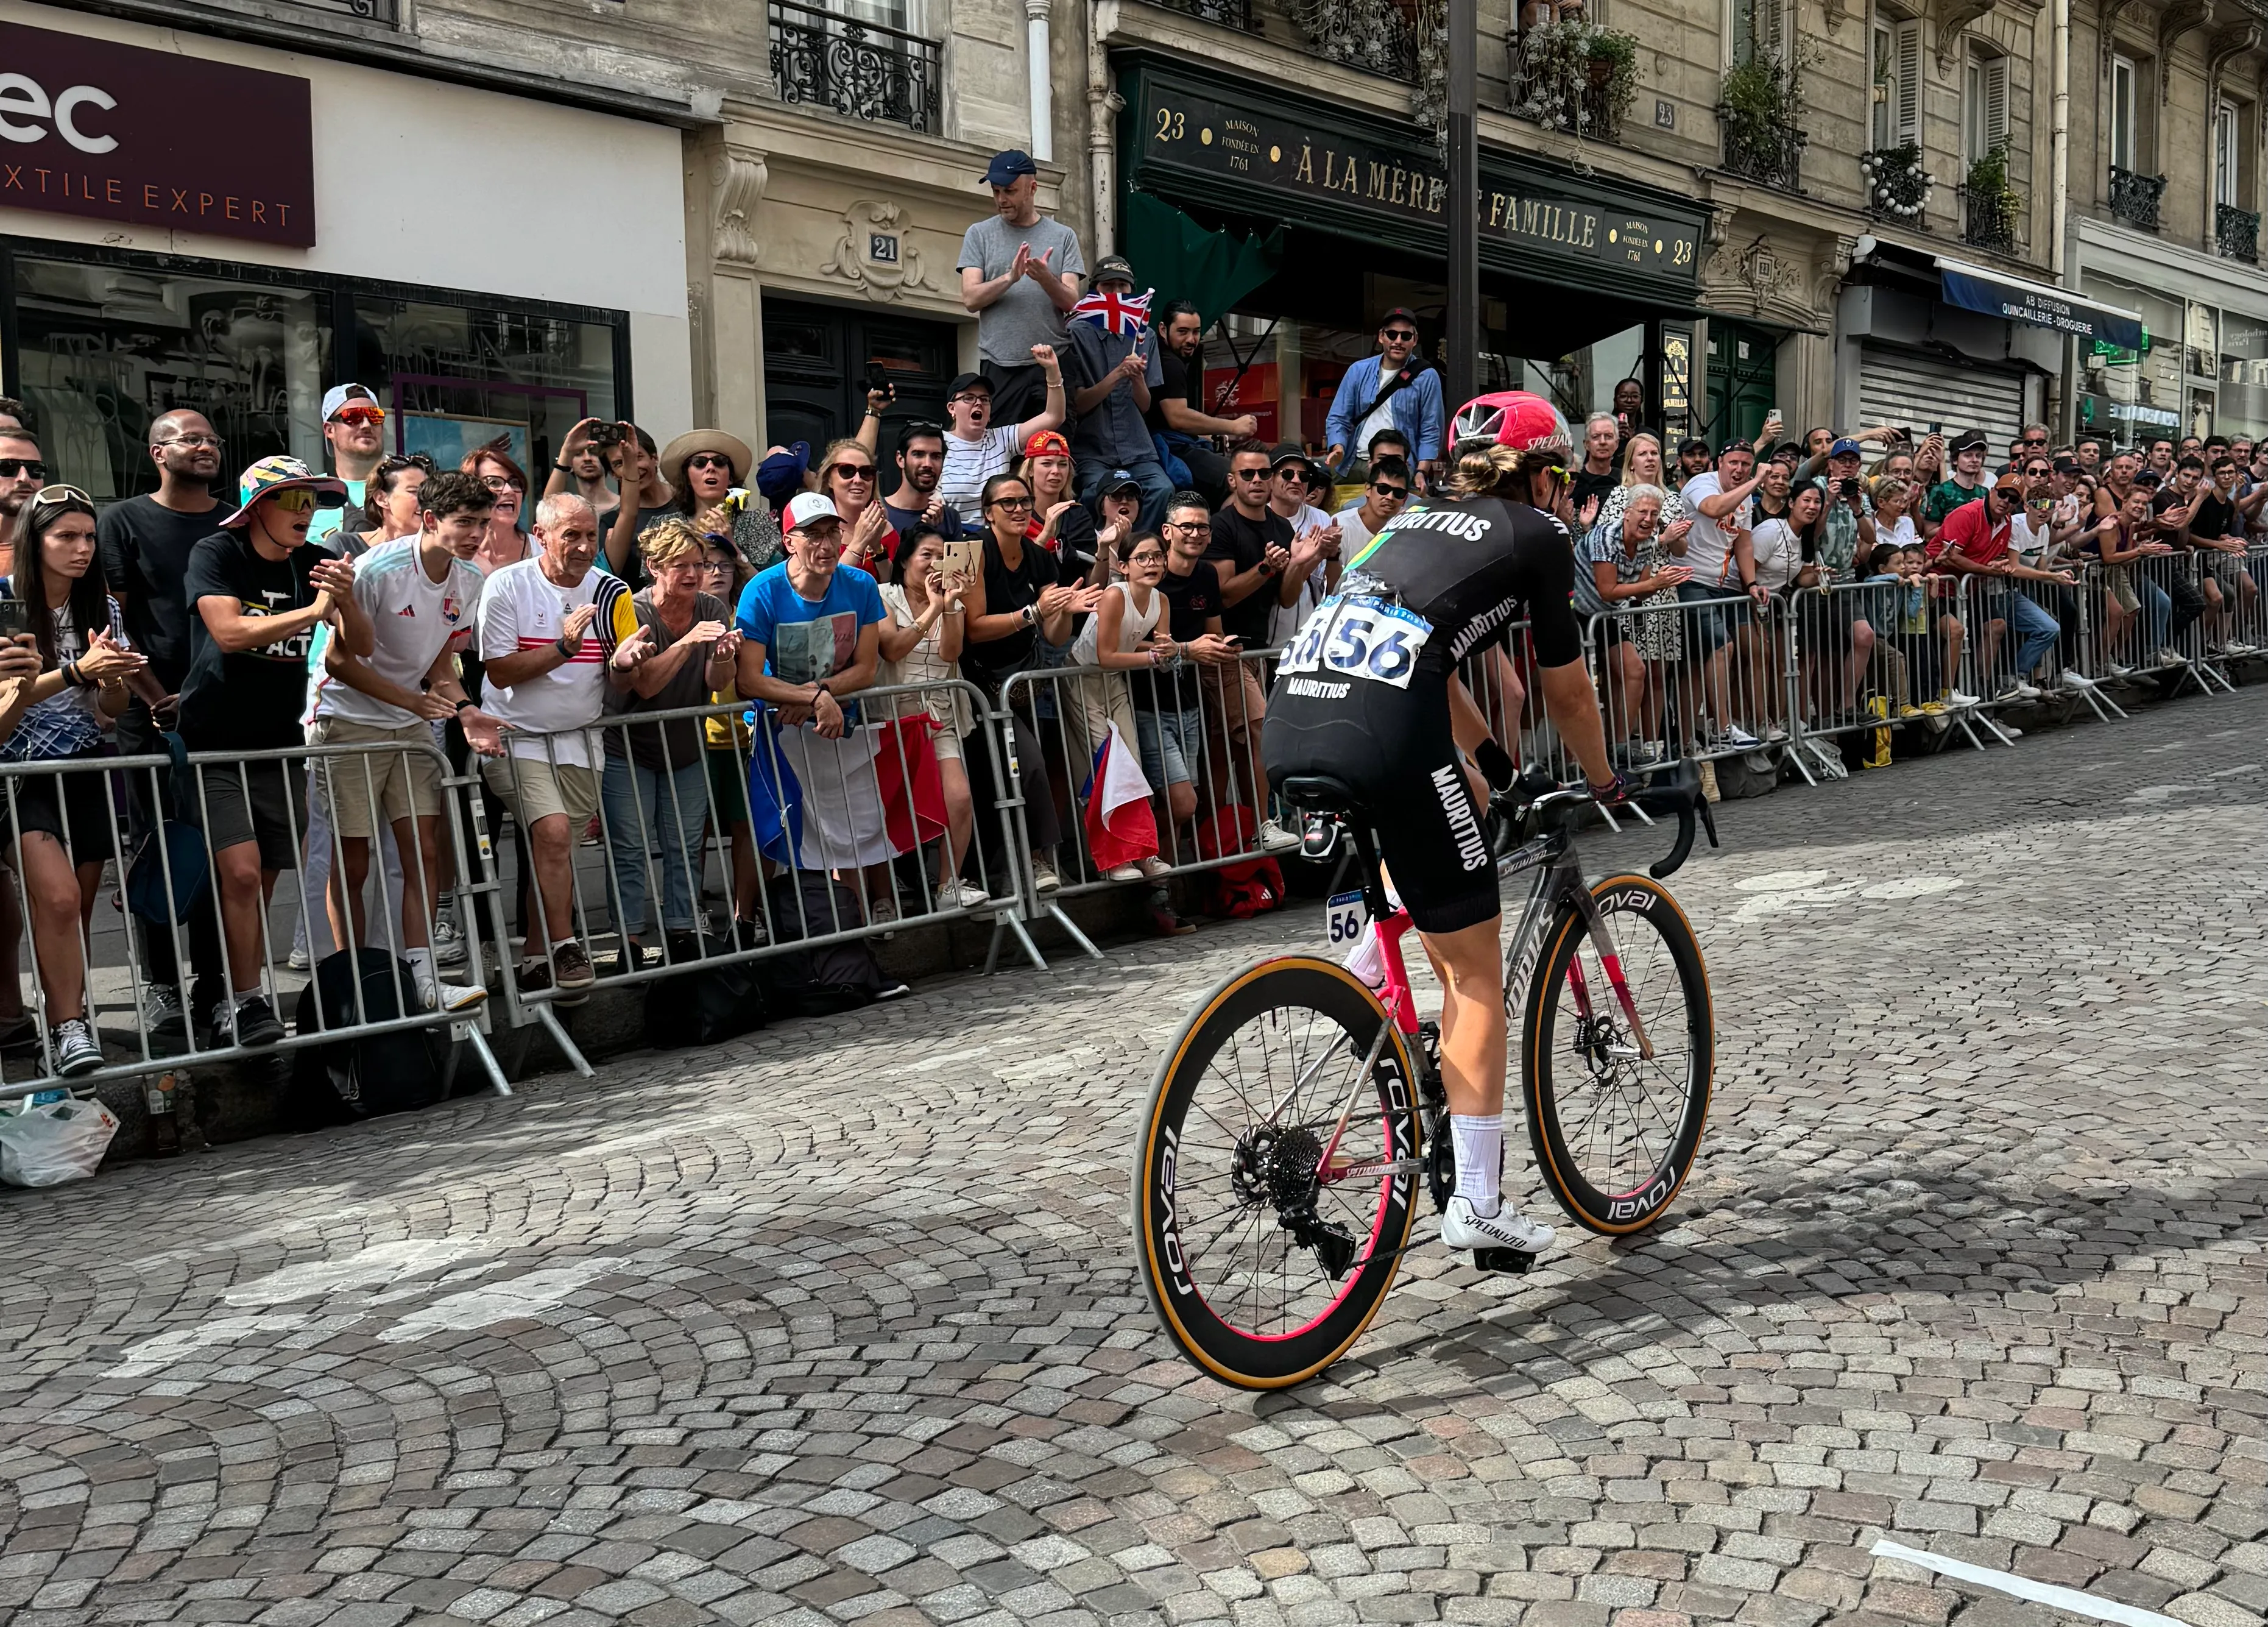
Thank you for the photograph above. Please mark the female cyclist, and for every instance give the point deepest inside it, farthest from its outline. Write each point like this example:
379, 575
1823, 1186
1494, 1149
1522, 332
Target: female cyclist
1369, 694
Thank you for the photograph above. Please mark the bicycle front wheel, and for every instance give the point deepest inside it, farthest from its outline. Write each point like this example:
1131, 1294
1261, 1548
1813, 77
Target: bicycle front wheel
1263, 1264
1615, 1130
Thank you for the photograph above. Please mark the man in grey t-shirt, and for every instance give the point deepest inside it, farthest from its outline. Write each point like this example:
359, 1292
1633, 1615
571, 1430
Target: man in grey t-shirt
1020, 273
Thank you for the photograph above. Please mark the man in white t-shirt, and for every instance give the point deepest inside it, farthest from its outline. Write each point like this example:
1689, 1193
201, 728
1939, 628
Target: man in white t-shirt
976, 449
1293, 480
1717, 551
546, 681
420, 593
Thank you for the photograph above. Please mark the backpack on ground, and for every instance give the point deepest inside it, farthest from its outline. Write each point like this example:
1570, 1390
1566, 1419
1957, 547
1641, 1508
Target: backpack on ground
834, 977
372, 1074
702, 1006
1237, 891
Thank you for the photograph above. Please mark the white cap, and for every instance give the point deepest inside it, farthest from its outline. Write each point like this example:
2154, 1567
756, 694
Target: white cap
810, 506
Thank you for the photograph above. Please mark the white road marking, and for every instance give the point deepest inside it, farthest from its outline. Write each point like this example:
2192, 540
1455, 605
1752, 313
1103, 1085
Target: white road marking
505, 1301
2070, 1600
380, 1263
1783, 881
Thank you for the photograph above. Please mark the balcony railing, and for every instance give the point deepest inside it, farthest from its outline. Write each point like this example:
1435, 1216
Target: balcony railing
1228, 13
861, 70
1988, 219
2135, 197
2237, 231
1770, 154
1577, 96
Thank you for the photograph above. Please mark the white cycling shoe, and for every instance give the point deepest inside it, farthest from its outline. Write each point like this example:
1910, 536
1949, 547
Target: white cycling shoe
1507, 1228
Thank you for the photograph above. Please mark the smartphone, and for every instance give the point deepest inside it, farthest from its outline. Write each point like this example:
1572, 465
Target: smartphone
606, 434
878, 378
15, 617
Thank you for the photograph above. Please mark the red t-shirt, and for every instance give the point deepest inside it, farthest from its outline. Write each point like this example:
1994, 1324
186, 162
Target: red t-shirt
1966, 528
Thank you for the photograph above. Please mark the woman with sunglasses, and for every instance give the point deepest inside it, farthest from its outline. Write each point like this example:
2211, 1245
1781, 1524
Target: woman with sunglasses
706, 470
65, 822
1060, 523
850, 476
506, 543
389, 505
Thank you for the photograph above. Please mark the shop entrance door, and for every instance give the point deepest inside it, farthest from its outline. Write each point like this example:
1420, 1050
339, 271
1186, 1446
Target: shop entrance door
1743, 374
816, 358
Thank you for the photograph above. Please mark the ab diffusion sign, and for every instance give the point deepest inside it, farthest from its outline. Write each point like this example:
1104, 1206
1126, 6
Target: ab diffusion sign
153, 138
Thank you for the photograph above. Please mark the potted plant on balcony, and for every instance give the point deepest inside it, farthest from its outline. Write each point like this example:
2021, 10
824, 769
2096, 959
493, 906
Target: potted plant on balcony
1994, 206
1760, 105
1576, 75
1896, 184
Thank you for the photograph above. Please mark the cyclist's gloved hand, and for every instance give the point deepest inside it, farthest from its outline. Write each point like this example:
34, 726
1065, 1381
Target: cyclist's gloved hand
1614, 794
1496, 764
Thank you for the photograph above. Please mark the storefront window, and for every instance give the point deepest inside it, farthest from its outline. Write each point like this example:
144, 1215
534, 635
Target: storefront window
2243, 391
456, 377
2129, 395
104, 350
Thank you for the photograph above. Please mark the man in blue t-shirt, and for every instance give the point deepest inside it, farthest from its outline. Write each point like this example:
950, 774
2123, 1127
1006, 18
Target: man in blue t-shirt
809, 626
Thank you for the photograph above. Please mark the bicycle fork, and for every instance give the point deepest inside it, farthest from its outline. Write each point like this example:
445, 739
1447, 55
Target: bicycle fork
1602, 944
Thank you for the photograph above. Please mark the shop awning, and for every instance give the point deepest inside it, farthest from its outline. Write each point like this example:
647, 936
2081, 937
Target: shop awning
1973, 288
1182, 260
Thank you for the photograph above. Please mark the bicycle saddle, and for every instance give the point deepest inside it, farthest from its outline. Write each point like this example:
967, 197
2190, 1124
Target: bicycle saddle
1319, 794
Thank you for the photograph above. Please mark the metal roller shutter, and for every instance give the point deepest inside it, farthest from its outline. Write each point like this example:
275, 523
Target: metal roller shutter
1897, 387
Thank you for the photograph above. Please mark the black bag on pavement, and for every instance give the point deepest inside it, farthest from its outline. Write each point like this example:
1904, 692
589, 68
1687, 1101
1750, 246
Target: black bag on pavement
834, 977
702, 1006
397, 1072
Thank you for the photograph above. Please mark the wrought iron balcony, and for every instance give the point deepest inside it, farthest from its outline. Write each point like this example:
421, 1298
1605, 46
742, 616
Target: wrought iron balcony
1988, 219
1578, 95
861, 70
2135, 197
1228, 13
1769, 153
387, 13
2237, 231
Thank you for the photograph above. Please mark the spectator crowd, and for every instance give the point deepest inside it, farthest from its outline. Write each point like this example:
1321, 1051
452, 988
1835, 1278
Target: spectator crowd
667, 647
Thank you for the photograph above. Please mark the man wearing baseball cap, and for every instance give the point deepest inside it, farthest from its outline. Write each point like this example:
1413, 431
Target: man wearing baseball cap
1965, 484
355, 426
808, 626
1019, 272
257, 592
1973, 541
1109, 377
1392, 388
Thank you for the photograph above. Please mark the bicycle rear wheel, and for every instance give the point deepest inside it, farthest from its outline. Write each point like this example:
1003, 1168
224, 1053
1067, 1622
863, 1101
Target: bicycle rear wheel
1615, 1132
1261, 1272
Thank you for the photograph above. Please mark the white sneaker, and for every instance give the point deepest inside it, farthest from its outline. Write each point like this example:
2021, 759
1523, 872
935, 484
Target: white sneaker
2009, 729
76, 1051
1775, 735
1955, 697
2017, 689
2170, 658
2238, 647
161, 1012
1507, 1228
440, 996
1273, 838
959, 895
1044, 878
1740, 739
448, 942
882, 911
2078, 680
1125, 872
297, 958
1155, 868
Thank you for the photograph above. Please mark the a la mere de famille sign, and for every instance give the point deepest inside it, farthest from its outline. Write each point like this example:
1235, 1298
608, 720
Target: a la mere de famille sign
1339, 167
153, 138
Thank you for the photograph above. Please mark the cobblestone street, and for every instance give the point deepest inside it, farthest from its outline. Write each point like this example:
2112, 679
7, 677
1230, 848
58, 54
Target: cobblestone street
839, 1322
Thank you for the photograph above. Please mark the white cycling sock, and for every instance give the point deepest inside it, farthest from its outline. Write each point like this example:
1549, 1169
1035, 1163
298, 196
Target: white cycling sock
1368, 961
1479, 1145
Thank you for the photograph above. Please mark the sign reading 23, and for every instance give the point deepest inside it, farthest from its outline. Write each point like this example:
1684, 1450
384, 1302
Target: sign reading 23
1366, 639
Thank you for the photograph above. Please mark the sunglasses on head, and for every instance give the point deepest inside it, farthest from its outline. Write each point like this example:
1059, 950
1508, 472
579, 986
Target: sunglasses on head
12, 466
359, 415
48, 497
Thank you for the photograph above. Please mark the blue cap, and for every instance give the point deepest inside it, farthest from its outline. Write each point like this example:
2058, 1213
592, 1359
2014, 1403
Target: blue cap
1007, 165
1844, 447
781, 474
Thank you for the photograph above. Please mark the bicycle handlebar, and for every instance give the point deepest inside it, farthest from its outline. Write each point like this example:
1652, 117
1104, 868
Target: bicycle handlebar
1676, 791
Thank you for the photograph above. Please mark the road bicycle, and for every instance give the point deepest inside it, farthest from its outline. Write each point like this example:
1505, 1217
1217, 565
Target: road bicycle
1292, 1118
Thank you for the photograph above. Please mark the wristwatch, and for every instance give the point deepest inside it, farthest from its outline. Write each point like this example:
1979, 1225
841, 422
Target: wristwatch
1031, 616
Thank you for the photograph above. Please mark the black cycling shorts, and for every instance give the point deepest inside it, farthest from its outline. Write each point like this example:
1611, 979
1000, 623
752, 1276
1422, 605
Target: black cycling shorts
1394, 748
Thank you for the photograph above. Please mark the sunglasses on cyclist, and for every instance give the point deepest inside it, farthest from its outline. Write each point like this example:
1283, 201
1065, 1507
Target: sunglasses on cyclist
12, 466
359, 415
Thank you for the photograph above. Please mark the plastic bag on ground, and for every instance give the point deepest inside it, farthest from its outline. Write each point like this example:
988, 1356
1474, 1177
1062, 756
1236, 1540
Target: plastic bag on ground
49, 1143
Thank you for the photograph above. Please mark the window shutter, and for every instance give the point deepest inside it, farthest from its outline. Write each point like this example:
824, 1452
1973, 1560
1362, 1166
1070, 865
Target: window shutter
1996, 100
1905, 89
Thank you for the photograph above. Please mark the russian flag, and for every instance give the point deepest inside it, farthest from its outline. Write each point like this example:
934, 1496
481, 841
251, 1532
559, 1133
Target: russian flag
822, 804
1120, 826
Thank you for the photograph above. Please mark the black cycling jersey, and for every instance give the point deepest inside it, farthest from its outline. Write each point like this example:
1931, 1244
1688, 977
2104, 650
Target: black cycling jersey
1362, 692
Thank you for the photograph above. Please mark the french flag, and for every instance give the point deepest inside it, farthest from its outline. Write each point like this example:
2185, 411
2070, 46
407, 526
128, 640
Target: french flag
822, 804
1116, 312
1121, 828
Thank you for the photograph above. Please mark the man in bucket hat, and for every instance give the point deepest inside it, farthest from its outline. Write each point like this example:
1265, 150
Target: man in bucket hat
258, 591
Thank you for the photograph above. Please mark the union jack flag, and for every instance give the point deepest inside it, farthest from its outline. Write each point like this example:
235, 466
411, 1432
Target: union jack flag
1122, 314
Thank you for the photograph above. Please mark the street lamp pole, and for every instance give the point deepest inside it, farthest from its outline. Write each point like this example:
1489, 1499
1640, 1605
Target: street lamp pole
1464, 313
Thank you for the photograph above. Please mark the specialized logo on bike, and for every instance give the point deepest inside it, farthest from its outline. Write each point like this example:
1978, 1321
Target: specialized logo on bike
1366, 639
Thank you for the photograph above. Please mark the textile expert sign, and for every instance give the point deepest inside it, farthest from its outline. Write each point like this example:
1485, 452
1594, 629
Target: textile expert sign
153, 138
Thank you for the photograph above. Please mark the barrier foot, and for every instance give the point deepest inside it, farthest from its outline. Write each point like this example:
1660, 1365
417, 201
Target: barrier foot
1997, 733
2095, 697
567, 1047
1003, 923
1085, 943
2206, 671
472, 1036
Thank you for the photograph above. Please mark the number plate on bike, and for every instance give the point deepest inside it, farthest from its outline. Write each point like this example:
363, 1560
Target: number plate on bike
1346, 918
1359, 639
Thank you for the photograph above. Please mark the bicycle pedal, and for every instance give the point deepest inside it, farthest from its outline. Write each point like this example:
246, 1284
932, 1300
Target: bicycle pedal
1511, 1261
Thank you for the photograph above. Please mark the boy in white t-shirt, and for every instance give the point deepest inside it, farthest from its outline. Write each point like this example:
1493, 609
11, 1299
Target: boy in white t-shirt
546, 678
975, 449
419, 593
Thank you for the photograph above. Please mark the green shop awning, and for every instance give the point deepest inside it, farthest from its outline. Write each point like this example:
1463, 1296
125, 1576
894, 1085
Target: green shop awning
1183, 259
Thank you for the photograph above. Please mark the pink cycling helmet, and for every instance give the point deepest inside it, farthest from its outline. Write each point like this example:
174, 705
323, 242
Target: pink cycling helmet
1516, 420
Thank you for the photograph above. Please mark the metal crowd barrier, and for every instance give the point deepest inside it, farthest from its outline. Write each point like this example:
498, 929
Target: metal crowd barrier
76, 970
